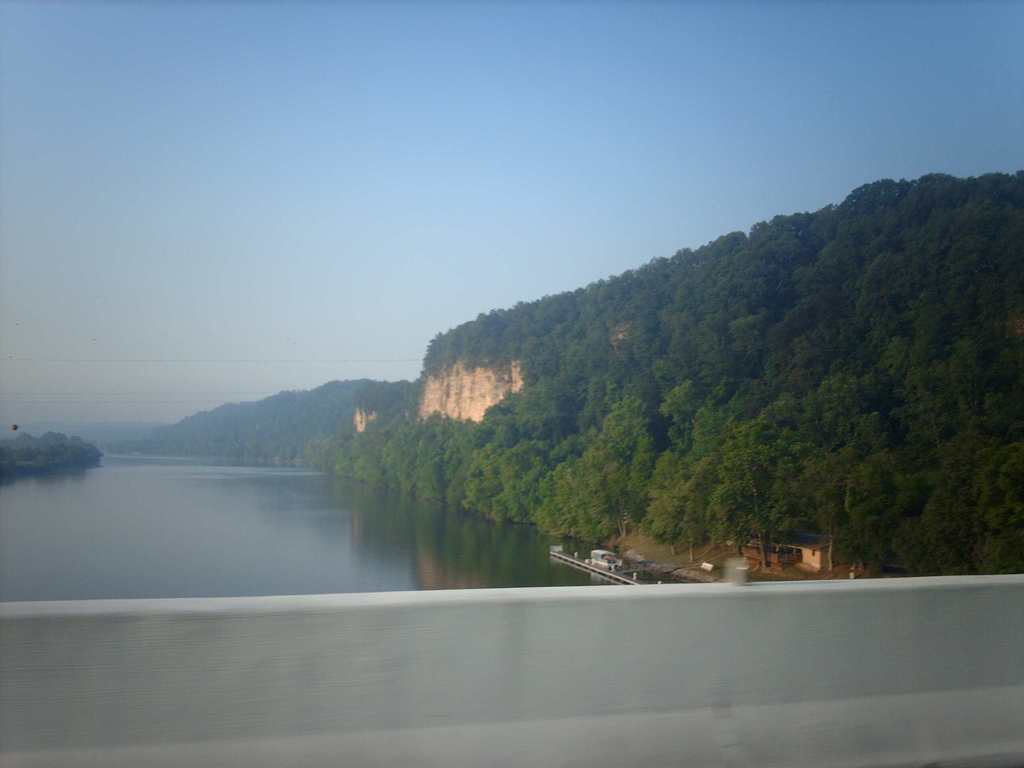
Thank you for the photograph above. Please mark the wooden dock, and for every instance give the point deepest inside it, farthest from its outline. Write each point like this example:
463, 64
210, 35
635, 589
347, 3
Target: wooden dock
579, 565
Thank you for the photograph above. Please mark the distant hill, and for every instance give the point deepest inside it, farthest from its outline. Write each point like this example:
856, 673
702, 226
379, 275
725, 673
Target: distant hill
275, 429
52, 452
102, 433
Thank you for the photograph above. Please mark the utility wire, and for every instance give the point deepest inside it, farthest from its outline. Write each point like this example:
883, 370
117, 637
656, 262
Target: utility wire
14, 359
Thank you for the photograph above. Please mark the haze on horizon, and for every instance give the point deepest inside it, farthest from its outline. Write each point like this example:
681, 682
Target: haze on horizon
204, 203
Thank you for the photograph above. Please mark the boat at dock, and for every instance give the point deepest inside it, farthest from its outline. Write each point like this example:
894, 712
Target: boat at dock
604, 559
605, 570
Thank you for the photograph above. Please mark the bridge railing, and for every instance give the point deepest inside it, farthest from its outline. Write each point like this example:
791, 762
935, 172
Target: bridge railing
886, 672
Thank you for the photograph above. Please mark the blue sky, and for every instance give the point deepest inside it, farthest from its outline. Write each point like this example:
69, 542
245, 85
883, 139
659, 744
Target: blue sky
333, 184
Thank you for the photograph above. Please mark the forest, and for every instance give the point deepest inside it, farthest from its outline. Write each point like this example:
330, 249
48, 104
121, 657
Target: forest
856, 371
28, 455
273, 430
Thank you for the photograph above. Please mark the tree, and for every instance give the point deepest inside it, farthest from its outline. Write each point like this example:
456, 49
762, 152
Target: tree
825, 486
678, 508
1001, 486
680, 406
605, 489
753, 496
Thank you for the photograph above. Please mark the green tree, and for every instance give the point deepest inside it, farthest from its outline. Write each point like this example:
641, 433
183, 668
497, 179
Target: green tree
679, 496
753, 496
605, 489
1001, 486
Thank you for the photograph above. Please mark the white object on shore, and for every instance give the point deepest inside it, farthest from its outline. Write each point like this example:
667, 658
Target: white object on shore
709, 567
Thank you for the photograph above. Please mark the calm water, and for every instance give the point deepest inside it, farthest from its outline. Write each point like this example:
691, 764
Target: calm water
171, 528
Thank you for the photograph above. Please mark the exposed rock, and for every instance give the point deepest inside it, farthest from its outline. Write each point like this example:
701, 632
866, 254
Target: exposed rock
361, 418
619, 334
466, 393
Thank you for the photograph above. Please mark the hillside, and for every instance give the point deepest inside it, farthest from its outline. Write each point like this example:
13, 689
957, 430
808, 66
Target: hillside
101, 433
276, 429
858, 371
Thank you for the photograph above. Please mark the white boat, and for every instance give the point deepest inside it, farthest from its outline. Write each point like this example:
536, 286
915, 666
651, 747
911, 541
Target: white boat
602, 558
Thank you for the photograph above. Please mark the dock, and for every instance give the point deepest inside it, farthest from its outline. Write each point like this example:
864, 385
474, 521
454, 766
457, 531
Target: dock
579, 565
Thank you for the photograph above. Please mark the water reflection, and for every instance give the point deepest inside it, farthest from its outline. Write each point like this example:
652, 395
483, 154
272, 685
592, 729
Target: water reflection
450, 549
137, 528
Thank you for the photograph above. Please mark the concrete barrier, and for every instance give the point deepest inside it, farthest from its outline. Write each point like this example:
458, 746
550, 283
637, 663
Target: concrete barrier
863, 673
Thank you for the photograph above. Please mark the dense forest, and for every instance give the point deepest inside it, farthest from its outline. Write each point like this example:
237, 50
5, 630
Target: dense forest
858, 371
27, 455
274, 430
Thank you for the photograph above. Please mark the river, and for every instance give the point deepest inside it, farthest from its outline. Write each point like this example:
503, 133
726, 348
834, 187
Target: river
135, 528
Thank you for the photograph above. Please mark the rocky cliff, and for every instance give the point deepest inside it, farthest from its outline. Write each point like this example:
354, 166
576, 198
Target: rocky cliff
465, 393
361, 418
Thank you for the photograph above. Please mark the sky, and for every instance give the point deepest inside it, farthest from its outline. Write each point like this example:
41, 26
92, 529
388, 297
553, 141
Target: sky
210, 202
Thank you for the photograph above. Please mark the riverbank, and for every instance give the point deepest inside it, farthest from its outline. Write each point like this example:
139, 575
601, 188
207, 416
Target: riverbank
25, 456
676, 563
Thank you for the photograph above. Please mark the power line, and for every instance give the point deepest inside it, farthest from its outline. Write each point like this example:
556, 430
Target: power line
204, 393
114, 402
229, 361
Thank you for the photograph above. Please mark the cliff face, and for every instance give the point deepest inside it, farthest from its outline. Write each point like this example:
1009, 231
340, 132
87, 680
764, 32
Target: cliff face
361, 418
466, 393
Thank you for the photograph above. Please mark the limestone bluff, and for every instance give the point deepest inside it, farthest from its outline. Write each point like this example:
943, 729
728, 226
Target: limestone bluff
465, 393
362, 418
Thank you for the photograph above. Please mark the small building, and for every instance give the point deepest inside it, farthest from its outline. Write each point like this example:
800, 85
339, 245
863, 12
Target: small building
812, 548
806, 551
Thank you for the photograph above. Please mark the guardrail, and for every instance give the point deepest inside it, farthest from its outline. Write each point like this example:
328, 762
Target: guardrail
865, 673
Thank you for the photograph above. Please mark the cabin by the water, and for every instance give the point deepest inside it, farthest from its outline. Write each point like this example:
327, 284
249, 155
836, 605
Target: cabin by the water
806, 551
